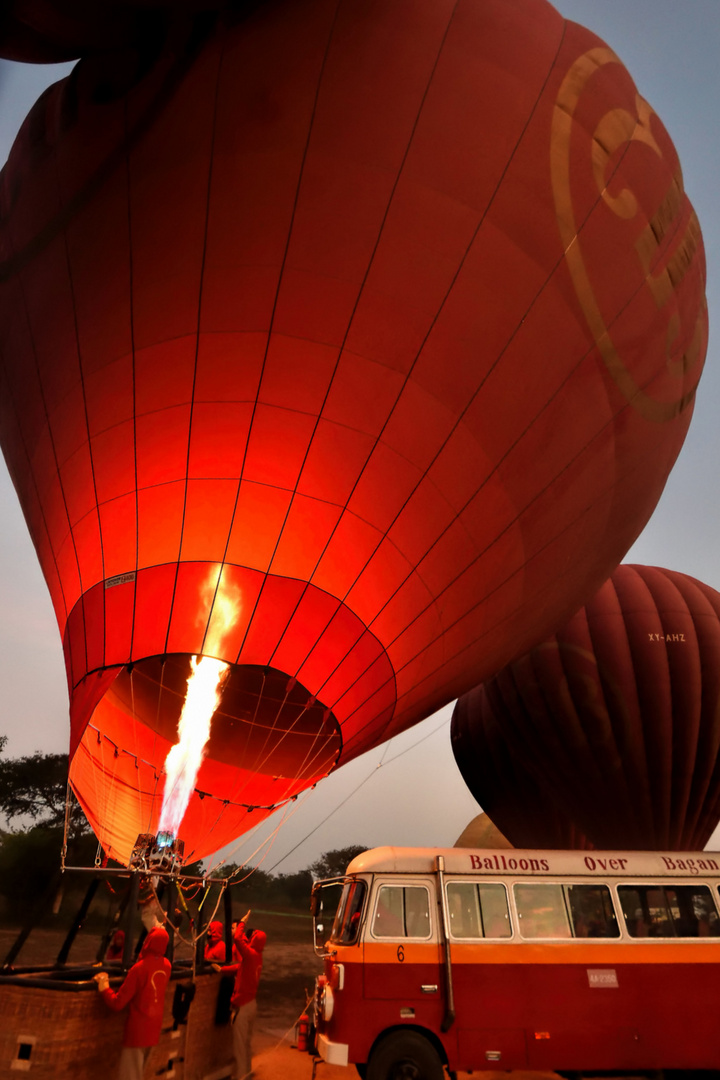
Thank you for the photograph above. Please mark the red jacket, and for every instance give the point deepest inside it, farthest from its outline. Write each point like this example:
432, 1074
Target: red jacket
215, 946
247, 972
144, 991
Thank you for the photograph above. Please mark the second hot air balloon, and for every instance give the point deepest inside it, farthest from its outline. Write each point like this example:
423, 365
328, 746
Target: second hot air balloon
616, 719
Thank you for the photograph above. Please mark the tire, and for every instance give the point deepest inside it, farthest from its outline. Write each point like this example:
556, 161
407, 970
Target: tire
361, 1071
404, 1055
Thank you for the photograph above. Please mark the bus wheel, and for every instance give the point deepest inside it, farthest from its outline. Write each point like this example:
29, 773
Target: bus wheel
404, 1055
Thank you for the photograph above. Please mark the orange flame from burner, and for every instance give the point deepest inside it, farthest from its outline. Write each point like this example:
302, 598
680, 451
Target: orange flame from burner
202, 698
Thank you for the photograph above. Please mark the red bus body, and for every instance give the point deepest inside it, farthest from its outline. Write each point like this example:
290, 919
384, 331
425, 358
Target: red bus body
532, 995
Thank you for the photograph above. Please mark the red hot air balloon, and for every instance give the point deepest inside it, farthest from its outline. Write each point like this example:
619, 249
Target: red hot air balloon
616, 719
384, 320
506, 781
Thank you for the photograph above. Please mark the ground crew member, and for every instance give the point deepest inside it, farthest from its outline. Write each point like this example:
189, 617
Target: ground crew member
144, 992
243, 1003
215, 946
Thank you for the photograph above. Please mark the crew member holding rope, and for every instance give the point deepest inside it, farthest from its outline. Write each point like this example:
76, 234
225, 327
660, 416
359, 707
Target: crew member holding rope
250, 947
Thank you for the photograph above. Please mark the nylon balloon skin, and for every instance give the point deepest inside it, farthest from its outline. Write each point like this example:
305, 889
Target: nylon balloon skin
496, 771
616, 719
393, 311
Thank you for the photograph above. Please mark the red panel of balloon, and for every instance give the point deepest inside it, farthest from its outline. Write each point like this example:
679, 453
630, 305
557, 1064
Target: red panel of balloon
383, 320
615, 720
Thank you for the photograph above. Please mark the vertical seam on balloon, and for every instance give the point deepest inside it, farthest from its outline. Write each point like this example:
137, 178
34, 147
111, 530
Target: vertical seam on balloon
131, 289
563, 651
695, 836
674, 828
627, 780
346, 333
211, 163
157, 774
311, 124
10, 400
523, 734
398, 397
134, 720
76, 326
51, 437
101, 795
131, 284
682, 831
657, 825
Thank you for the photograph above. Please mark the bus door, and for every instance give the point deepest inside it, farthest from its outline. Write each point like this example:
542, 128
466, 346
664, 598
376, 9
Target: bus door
488, 1029
403, 960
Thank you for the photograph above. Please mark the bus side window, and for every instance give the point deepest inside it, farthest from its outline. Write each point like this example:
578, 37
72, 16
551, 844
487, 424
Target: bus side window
494, 907
660, 911
464, 910
478, 910
542, 910
402, 911
693, 911
632, 911
347, 920
591, 911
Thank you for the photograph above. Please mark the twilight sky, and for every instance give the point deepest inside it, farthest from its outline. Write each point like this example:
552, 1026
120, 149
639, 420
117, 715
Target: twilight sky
410, 791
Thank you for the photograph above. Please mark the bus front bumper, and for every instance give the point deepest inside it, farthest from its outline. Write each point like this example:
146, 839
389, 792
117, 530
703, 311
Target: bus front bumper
331, 1052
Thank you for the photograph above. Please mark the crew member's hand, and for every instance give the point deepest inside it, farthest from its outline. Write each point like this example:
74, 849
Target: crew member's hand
216, 967
103, 981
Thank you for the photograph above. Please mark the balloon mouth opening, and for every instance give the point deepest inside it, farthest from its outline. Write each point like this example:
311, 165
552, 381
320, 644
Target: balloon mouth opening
266, 723
270, 740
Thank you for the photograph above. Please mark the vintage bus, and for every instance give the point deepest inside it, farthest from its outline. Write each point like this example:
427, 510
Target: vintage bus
579, 962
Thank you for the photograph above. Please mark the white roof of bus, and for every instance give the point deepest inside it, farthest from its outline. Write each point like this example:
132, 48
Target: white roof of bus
516, 862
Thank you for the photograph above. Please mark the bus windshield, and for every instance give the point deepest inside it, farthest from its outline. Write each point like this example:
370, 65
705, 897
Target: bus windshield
347, 919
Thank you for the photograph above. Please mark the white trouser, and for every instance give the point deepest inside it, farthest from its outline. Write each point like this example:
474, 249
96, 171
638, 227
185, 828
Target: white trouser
132, 1062
243, 1022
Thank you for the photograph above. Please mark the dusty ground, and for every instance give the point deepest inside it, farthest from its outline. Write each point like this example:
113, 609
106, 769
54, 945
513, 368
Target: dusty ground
279, 1061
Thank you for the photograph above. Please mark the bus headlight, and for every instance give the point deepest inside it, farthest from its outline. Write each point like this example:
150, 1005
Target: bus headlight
327, 1002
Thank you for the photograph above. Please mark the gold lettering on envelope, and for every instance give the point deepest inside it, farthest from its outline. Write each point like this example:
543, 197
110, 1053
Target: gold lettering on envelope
666, 246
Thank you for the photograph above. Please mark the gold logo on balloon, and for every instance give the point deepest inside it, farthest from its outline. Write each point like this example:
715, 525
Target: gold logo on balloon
617, 128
